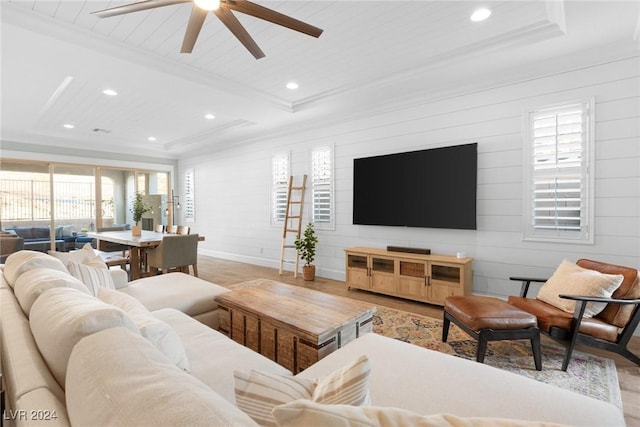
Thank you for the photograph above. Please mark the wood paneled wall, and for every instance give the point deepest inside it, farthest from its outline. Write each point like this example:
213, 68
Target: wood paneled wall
232, 186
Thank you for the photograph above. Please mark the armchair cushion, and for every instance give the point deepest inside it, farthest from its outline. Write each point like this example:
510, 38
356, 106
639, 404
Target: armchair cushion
617, 314
571, 279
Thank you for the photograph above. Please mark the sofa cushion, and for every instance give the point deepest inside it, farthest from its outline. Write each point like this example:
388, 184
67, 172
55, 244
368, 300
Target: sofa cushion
61, 317
213, 356
118, 378
257, 393
571, 279
309, 413
449, 384
19, 262
34, 282
41, 408
24, 232
40, 232
159, 333
94, 274
87, 253
181, 291
23, 368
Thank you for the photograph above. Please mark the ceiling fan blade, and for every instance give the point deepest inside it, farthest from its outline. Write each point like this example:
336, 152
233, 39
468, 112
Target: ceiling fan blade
136, 7
193, 29
238, 30
253, 9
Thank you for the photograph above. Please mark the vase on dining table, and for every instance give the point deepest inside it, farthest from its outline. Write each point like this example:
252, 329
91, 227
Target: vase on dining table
136, 230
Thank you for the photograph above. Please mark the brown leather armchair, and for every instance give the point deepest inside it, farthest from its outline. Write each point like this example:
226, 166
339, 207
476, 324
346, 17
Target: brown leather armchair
611, 329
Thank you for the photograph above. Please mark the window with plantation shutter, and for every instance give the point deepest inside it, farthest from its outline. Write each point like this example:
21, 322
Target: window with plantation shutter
322, 187
558, 182
279, 186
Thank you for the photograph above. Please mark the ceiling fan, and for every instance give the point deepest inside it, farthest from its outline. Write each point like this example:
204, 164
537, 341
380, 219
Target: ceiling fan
222, 9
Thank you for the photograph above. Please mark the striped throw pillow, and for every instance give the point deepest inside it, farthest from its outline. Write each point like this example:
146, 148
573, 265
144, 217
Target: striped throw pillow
94, 274
258, 393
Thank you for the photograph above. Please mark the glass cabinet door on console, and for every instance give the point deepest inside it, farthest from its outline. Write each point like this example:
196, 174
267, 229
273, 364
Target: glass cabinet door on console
358, 270
444, 281
383, 274
413, 280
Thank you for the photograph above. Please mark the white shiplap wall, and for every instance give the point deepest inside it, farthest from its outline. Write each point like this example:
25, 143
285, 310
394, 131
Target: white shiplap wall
232, 186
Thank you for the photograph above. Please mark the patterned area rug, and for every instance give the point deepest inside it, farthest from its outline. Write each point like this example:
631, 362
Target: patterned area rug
587, 374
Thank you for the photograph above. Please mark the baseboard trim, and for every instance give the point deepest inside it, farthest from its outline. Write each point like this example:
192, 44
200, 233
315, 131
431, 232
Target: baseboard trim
271, 263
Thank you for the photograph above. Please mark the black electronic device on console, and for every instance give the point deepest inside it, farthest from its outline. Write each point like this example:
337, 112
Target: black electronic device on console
409, 250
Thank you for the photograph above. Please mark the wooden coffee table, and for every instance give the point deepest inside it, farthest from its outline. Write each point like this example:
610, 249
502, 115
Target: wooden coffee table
292, 325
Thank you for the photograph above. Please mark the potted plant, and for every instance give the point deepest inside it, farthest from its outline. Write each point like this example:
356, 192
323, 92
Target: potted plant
138, 209
306, 247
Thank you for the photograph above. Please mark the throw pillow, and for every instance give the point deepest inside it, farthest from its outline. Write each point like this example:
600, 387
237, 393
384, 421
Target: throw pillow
82, 256
61, 317
159, 333
571, 279
258, 393
22, 261
309, 413
67, 230
34, 282
94, 274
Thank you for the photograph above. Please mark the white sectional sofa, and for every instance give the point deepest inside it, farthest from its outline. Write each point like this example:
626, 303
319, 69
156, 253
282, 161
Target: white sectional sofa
87, 360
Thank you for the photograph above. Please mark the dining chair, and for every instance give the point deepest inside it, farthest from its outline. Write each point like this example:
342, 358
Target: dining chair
184, 229
160, 228
171, 229
175, 253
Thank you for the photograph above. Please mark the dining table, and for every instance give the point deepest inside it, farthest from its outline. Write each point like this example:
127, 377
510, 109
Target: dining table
136, 244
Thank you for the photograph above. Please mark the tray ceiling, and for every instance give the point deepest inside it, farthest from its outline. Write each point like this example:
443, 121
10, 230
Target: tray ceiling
57, 58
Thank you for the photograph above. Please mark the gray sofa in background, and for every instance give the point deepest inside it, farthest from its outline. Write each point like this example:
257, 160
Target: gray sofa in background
38, 238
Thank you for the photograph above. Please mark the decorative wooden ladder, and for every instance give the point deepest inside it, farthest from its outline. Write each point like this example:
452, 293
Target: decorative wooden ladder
292, 221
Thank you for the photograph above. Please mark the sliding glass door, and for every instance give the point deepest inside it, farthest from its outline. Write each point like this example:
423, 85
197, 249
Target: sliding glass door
54, 205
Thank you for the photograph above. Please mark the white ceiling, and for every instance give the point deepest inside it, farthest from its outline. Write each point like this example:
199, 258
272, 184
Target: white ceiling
57, 58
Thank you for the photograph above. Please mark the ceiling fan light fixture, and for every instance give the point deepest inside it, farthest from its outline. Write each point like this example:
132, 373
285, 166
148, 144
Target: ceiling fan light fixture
207, 4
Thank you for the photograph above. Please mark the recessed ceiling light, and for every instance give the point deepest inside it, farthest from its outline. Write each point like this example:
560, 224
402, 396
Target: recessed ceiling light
480, 15
68, 125
292, 85
152, 138
110, 92
209, 116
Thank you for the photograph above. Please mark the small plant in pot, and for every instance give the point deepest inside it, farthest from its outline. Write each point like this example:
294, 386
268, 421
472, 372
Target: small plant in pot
306, 247
138, 209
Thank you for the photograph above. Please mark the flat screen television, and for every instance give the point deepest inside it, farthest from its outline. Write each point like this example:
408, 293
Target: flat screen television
434, 188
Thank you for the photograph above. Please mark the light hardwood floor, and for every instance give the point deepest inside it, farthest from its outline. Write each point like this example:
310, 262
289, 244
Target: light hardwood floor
224, 273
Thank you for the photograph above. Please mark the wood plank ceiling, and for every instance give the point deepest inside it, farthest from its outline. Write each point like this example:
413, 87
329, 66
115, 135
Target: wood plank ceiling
165, 93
